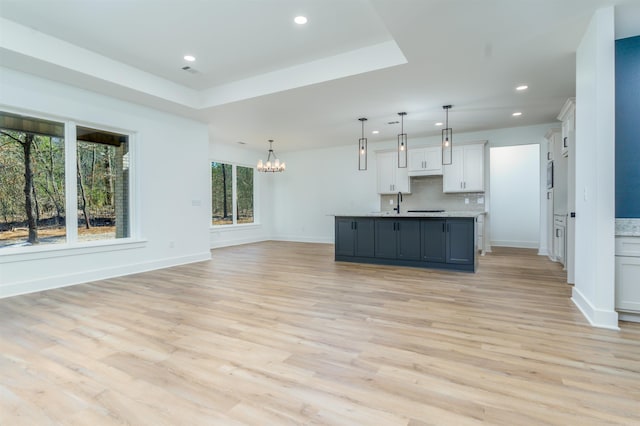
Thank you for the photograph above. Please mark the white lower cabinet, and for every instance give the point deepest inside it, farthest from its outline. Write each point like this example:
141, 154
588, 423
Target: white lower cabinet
560, 238
628, 277
391, 178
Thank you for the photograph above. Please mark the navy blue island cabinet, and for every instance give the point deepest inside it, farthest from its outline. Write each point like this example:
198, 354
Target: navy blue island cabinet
427, 242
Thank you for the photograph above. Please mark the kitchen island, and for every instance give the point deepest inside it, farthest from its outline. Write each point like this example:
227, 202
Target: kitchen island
443, 240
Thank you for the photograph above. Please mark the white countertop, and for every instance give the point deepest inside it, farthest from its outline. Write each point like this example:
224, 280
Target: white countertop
394, 214
628, 227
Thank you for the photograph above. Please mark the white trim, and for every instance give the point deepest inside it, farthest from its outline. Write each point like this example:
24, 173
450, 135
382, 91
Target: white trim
236, 242
543, 252
58, 281
303, 239
21, 254
629, 316
516, 244
596, 317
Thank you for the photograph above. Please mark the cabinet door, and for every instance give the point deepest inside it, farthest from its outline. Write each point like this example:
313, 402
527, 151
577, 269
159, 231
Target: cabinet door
408, 232
433, 240
386, 173
473, 168
364, 237
385, 241
402, 180
417, 159
453, 173
345, 242
460, 242
433, 160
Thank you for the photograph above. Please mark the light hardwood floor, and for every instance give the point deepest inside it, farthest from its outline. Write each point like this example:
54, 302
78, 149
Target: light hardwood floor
278, 333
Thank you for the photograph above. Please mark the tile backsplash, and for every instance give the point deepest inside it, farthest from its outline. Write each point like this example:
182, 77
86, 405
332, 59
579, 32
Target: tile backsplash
426, 193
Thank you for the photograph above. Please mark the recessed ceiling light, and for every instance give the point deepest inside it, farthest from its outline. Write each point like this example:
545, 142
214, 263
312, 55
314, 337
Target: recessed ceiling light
517, 114
522, 87
189, 58
242, 143
300, 20
439, 123
375, 132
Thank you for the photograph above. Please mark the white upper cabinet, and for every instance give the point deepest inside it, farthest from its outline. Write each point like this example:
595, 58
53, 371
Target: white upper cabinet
466, 171
391, 179
425, 161
568, 117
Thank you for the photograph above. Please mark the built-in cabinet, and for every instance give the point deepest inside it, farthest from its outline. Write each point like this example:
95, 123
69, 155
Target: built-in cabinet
397, 239
354, 236
391, 178
426, 161
568, 117
447, 243
628, 278
560, 238
466, 171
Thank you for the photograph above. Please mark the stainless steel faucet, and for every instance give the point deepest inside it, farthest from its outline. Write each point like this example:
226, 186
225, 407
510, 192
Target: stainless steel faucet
397, 208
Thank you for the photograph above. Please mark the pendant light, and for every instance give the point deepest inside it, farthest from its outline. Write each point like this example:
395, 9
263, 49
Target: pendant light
402, 144
447, 139
272, 165
362, 148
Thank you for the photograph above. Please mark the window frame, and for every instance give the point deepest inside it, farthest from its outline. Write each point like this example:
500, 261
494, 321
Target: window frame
72, 244
234, 196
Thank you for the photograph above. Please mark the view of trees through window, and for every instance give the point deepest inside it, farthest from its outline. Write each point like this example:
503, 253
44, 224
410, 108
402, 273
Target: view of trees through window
33, 194
223, 196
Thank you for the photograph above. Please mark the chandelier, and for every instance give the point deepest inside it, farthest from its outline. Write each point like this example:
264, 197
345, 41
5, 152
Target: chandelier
272, 164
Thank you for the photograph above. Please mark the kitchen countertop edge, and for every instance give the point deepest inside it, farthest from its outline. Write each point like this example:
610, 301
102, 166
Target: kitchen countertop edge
414, 215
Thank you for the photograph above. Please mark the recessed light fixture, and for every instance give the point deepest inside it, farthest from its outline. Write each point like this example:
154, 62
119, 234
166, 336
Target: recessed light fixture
300, 20
439, 123
242, 143
375, 132
522, 87
517, 114
189, 58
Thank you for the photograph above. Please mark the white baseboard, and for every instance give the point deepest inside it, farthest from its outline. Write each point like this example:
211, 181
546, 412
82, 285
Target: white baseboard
236, 242
515, 244
301, 239
628, 316
543, 252
596, 317
66, 280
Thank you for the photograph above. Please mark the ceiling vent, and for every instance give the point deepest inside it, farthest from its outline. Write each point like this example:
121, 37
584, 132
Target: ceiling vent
190, 70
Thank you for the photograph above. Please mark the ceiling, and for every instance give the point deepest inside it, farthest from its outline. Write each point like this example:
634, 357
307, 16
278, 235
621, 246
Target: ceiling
260, 76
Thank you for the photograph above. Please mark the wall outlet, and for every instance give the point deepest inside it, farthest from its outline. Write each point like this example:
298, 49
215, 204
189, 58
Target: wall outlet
391, 202
480, 200
172, 244
466, 201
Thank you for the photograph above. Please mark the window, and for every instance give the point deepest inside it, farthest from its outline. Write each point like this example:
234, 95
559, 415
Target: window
231, 194
37, 197
103, 184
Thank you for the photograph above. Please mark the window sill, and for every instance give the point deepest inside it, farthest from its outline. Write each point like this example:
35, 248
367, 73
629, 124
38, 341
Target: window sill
234, 227
21, 254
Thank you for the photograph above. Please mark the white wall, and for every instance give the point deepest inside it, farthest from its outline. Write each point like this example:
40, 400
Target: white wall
260, 230
320, 183
594, 290
515, 196
172, 186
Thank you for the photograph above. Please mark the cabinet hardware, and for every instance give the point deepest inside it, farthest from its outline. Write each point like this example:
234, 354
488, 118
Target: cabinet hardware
558, 232
442, 227
355, 225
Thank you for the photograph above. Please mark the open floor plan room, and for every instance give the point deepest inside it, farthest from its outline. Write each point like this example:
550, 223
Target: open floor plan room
279, 333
